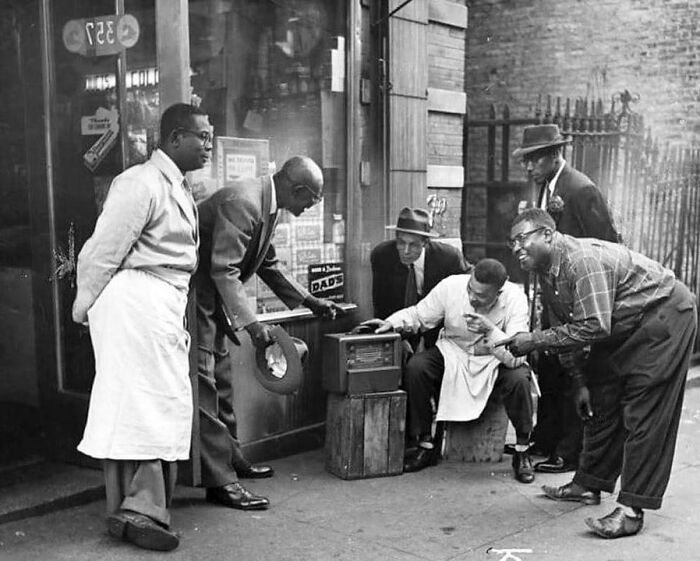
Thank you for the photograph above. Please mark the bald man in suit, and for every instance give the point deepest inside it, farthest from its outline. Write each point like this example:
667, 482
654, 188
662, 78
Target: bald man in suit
236, 227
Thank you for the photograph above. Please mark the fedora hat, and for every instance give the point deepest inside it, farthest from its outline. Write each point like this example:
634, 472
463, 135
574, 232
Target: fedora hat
414, 221
280, 364
537, 137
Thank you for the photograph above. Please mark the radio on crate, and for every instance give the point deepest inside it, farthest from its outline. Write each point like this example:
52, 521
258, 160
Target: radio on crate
361, 363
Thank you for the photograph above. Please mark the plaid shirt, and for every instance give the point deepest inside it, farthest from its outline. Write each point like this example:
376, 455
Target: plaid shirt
597, 290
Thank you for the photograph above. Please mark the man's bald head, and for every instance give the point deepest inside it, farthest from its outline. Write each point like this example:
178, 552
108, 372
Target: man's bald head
299, 184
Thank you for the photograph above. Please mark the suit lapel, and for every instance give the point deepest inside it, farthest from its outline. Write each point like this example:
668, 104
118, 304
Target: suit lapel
267, 222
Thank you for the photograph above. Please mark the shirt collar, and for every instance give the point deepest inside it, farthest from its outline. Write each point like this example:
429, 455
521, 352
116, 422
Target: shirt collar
273, 196
420, 262
552, 184
557, 247
167, 167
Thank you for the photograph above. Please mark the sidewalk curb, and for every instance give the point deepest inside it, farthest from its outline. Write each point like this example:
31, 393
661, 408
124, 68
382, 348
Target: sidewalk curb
61, 503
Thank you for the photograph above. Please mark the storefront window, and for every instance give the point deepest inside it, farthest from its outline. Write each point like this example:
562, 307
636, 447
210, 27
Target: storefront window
99, 129
271, 76
15, 247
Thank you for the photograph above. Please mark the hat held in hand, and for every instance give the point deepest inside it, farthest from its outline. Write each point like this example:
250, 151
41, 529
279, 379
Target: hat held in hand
414, 221
280, 367
538, 137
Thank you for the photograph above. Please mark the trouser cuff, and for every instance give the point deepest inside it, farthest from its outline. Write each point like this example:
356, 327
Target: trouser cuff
593, 483
639, 501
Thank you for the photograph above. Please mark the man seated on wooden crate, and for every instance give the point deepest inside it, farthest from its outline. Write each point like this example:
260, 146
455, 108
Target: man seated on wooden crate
464, 367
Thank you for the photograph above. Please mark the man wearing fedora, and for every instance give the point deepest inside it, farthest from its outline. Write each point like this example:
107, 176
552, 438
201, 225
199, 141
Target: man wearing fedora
408, 267
580, 210
236, 227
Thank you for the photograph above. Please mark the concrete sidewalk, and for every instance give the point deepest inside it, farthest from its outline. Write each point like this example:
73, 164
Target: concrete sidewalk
453, 511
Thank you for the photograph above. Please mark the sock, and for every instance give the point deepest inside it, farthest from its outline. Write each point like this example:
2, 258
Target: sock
426, 444
631, 511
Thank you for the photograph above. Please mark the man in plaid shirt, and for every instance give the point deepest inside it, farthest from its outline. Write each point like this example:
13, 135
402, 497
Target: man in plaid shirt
624, 328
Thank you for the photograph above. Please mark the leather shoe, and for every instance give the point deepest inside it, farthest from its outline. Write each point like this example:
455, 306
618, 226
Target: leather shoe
522, 464
253, 471
423, 458
141, 530
617, 524
554, 464
234, 495
566, 493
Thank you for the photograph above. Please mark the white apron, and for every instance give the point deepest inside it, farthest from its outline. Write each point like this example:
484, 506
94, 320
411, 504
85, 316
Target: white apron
467, 383
141, 400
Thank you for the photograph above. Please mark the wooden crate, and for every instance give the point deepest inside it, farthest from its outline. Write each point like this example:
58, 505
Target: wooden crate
365, 434
480, 440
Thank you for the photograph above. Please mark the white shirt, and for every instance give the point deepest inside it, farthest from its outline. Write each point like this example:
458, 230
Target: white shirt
551, 186
419, 268
273, 195
471, 360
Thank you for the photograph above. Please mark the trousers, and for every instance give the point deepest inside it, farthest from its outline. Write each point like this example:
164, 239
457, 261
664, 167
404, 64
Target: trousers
637, 389
143, 486
423, 376
220, 449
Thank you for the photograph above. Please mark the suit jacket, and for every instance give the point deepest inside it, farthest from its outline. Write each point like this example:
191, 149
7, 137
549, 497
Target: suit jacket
236, 229
585, 213
389, 277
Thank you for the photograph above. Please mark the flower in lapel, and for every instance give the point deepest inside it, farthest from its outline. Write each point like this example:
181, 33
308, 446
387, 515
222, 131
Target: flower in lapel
555, 206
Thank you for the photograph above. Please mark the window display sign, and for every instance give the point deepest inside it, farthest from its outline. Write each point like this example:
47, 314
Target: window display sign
97, 152
327, 280
101, 36
240, 157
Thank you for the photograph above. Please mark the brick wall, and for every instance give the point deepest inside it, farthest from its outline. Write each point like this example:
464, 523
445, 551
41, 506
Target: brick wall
594, 48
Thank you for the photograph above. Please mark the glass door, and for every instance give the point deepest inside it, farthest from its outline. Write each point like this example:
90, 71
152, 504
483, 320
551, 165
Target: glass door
103, 111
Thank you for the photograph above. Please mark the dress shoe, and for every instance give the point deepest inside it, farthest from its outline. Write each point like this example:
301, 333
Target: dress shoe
617, 524
522, 464
423, 458
141, 530
253, 471
566, 493
554, 464
234, 495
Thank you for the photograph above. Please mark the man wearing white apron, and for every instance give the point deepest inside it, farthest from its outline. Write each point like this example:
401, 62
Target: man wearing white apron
464, 367
133, 276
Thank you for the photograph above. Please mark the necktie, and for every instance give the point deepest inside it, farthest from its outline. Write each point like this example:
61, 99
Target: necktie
411, 294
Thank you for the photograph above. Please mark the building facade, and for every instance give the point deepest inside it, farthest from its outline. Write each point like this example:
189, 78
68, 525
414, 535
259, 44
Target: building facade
371, 90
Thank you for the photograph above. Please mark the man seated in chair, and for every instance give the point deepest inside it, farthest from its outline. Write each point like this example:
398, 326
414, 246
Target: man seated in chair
464, 367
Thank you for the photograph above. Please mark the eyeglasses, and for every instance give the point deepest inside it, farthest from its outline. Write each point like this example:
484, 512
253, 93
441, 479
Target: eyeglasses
521, 238
316, 198
205, 136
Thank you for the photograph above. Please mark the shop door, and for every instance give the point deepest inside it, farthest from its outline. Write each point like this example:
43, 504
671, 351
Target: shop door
103, 109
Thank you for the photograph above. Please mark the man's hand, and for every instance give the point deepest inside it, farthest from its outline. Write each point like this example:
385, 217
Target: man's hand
583, 403
323, 308
379, 325
519, 344
259, 334
477, 323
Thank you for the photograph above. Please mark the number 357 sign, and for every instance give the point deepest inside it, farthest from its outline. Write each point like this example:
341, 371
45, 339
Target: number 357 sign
100, 36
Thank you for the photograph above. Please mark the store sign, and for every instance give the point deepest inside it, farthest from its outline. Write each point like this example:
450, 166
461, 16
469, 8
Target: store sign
327, 280
240, 157
101, 36
98, 123
97, 152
